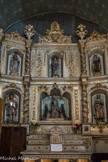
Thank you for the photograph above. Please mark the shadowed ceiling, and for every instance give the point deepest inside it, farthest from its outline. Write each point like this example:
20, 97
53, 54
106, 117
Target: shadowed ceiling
12, 11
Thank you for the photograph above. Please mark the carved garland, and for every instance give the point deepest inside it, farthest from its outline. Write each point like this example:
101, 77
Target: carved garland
39, 65
76, 103
71, 66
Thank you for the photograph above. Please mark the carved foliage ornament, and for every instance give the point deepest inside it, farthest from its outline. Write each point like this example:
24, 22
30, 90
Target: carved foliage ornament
15, 36
95, 36
55, 34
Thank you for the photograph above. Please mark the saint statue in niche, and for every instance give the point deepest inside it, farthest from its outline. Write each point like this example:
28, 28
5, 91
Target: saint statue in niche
96, 67
98, 107
11, 108
45, 112
14, 64
54, 67
54, 110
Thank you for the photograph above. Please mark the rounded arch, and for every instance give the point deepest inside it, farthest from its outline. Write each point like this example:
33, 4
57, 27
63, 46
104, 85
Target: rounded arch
96, 62
55, 64
99, 105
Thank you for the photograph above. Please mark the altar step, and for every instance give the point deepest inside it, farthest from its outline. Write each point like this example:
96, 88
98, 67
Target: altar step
70, 142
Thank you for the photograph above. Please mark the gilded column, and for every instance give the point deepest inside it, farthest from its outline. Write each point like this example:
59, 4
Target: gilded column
29, 32
82, 32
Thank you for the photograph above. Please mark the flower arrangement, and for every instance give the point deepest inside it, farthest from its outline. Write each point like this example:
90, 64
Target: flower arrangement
76, 127
34, 125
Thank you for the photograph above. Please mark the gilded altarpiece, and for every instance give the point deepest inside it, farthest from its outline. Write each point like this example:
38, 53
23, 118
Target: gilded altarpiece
60, 87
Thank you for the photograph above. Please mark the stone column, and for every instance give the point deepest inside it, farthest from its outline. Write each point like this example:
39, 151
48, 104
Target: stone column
1, 111
81, 32
29, 32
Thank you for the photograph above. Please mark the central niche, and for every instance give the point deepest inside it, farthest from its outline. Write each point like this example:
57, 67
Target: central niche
55, 65
55, 106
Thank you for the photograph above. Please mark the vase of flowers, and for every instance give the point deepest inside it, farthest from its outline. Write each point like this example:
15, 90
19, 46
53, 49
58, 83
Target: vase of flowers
76, 127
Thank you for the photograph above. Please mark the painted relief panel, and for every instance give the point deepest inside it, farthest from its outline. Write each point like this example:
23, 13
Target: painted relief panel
11, 107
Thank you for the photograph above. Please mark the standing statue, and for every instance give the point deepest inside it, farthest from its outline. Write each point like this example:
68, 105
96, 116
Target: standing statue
11, 108
98, 107
96, 67
14, 64
63, 111
54, 111
54, 67
45, 112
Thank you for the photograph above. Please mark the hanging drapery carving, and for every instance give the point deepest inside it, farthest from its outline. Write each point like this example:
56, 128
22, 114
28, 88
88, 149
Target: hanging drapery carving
71, 66
34, 103
39, 65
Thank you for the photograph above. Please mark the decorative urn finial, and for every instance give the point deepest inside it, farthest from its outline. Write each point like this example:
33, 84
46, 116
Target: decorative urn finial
29, 31
81, 32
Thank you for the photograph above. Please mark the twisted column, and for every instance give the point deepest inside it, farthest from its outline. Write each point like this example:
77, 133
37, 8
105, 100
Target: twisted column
82, 32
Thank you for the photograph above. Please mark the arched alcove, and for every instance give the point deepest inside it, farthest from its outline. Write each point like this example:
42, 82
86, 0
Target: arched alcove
11, 106
96, 63
55, 106
14, 62
55, 65
99, 106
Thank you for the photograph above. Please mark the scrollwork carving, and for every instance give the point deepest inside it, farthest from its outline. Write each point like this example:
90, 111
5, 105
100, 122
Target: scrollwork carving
95, 36
55, 34
15, 36
87, 142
